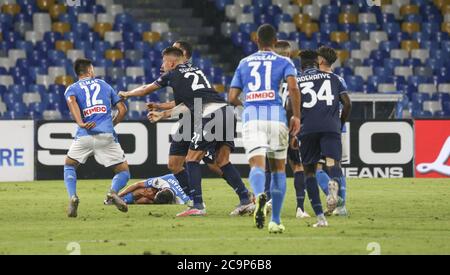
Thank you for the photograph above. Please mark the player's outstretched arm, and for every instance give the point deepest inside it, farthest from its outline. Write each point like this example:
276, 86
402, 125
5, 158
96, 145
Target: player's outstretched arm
122, 112
347, 107
172, 113
233, 97
140, 91
132, 188
294, 95
152, 106
76, 113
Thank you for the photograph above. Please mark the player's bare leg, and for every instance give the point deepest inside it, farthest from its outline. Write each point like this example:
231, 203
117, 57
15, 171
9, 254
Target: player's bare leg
70, 179
122, 177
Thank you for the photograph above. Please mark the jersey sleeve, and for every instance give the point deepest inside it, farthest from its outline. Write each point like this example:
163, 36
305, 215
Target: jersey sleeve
163, 80
289, 70
237, 80
70, 91
342, 86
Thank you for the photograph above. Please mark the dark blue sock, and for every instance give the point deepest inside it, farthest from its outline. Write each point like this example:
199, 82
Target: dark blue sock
70, 179
335, 173
257, 180
268, 180
299, 184
120, 181
267, 185
314, 195
195, 180
323, 179
233, 178
278, 191
183, 179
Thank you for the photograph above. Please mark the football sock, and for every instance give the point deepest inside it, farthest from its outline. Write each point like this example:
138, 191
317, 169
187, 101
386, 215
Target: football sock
183, 178
278, 191
257, 180
313, 193
343, 189
323, 179
233, 178
267, 184
195, 180
299, 184
128, 198
70, 180
120, 181
335, 173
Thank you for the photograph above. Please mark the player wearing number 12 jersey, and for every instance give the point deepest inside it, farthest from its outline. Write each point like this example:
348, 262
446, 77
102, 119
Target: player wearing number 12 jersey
90, 102
265, 130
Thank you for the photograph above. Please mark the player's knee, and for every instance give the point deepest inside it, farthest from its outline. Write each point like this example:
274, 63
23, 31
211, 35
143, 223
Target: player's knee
330, 162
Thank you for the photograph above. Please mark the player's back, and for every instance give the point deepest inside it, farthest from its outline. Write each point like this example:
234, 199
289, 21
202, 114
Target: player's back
190, 82
96, 99
260, 77
169, 181
320, 97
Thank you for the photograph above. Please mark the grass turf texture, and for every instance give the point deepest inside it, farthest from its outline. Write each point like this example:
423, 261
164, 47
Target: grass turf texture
405, 216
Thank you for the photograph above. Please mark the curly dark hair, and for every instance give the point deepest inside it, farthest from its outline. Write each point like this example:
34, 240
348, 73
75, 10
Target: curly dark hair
329, 54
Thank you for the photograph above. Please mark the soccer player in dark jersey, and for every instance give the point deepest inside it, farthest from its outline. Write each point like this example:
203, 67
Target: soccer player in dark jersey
192, 88
180, 149
283, 48
327, 57
320, 134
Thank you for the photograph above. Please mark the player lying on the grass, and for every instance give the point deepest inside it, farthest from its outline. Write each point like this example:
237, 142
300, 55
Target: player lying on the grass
265, 131
90, 102
283, 48
158, 190
190, 84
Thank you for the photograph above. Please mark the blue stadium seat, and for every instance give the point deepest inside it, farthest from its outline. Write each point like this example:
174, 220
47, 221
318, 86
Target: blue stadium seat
328, 28
248, 28
320, 38
354, 83
282, 17
263, 19
348, 28
308, 44
140, 27
343, 71
255, 10
412, 62
220, 4
240, 38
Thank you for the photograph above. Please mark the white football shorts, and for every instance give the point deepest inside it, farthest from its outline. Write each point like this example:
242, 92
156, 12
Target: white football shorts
104, 147
262, 137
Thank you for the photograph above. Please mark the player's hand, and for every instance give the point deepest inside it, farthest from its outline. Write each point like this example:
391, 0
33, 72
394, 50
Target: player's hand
153, 106
154, 116
123, 95
294, 143
87, 126
294, 126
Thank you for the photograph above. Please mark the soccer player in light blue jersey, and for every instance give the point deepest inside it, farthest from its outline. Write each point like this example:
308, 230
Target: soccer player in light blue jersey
91, 102
158, 190
265, 130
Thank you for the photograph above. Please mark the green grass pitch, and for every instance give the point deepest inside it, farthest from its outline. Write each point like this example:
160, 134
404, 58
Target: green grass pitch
404, 216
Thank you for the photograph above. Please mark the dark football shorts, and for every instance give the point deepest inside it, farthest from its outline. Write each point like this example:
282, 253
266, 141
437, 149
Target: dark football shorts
315, 146
294, 155
208, 138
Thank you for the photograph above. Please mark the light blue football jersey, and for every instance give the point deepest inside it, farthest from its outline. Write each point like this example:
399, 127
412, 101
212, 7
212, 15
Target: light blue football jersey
260, 77
96, 99
168, 181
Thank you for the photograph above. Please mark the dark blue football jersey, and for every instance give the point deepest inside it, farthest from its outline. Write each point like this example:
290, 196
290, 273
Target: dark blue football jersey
320, 93
189, 82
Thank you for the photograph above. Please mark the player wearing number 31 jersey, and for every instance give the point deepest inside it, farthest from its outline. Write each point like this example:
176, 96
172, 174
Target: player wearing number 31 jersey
260, 76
